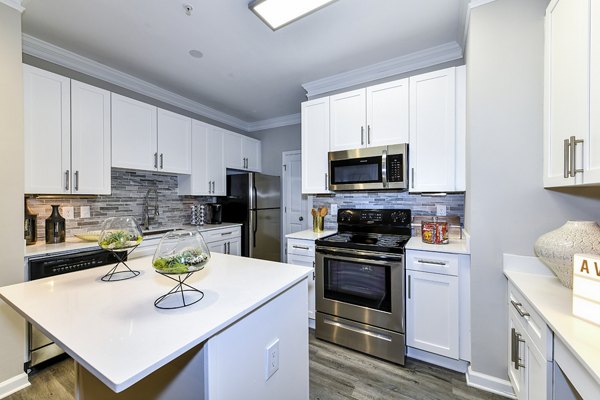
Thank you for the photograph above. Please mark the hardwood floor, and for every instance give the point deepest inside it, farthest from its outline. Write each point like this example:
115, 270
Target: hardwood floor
335, 373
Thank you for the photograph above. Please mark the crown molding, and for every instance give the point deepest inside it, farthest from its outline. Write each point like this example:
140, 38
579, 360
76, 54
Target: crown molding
16, 4
57, 55
286, 120
399, 65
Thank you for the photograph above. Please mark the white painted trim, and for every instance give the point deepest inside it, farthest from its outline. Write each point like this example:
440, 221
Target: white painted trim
464, 24
435, 359
410, 62
57, 55
489, 383
477, 3
16, 4
292, 119
13, 384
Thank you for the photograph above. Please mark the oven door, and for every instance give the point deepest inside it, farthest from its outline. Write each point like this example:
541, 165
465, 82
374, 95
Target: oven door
361, 286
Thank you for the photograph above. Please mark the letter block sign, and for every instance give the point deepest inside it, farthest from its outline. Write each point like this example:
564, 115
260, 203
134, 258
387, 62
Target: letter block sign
586, 287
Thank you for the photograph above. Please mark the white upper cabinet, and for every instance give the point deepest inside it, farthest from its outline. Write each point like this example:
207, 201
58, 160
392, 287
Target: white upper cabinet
315, 145
242, 152
67, 135
208, 169
174, 142
90, 139
387, 113
134, 134
375, 116
571, 132
348, 120
435, 156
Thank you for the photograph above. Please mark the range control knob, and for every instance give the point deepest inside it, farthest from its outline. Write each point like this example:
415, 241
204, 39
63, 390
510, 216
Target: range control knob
345, 216
399, 217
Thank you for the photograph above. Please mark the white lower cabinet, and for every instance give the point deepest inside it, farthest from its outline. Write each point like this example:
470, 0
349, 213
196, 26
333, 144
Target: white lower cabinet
529, 350
302, 252
437, 301
227, 240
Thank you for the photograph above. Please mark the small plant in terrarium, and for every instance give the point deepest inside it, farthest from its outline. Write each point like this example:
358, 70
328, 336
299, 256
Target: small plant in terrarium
180, 252
120, 233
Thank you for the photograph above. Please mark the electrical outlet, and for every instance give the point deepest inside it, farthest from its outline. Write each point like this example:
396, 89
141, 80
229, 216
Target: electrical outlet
84, 211
68, 212
440, 210
272, 353
334, 208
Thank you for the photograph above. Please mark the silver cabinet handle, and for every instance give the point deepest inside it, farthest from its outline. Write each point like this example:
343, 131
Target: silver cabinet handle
326, 181
67, 180
161, 160
213, 191
228, 247
209, 187
408, 286
368, 134
433, 262
518, 342
225, 248
155, 160
77, 180
573, 144
566, 163
513, 345
412, 178
226, 233
519, 308
300, 247
362, 135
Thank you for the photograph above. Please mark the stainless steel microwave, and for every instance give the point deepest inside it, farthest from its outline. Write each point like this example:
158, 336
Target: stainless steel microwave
373, 168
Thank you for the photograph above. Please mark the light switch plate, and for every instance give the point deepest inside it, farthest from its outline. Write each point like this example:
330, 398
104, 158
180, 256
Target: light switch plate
272, 353
440, 210
68, 212
84, 211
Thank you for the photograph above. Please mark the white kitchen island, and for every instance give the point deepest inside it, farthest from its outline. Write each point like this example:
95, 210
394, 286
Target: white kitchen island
126, 348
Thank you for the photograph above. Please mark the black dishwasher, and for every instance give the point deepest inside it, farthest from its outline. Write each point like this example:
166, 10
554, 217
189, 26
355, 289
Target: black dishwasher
41, 351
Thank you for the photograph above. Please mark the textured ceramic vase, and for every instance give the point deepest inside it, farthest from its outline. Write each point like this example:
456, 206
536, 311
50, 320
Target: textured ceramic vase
556, 248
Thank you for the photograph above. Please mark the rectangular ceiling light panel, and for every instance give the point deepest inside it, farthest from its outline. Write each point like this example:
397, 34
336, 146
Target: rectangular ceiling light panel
278, 13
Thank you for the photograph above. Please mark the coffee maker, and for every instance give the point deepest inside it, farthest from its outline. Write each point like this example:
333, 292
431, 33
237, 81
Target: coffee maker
214, 211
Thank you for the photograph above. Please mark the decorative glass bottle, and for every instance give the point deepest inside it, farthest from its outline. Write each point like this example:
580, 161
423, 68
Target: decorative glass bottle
55, 227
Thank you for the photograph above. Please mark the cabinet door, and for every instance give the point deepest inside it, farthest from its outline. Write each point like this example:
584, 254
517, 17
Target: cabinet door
219, 246
214, 162
90, 139
348, 118
251, 153
592, 173
235, 247
306, 261
134, 141
432, 318
315, 146
567, 85
197, 183
387, 113
174, 142
47, 132
232, 147
517, 349
432, 151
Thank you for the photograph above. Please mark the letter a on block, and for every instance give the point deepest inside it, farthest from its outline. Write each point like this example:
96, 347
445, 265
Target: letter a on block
584, 266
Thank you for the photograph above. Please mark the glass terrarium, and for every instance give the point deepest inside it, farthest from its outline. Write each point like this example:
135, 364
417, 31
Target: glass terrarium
120, 235
178, 255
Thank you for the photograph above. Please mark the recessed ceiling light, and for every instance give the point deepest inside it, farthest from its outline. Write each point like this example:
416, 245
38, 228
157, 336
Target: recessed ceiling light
196, 53
278, 13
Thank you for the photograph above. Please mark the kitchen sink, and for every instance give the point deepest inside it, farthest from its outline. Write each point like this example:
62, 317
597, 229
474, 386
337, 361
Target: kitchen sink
158, 231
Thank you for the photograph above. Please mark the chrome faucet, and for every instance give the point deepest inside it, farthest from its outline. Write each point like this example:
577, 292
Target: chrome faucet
146, 212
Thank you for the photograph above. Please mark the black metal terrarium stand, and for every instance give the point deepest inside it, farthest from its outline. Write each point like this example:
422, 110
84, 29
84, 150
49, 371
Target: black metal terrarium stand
127, 273
178, 256
121, 236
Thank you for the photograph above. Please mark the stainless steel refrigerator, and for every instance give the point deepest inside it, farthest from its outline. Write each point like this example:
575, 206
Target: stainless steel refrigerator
255, 201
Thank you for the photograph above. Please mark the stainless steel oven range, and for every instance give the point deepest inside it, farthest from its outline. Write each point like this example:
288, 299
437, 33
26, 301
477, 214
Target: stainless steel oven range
360, 282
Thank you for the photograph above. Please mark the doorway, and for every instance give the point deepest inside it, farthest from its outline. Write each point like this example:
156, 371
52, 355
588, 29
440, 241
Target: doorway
294, 203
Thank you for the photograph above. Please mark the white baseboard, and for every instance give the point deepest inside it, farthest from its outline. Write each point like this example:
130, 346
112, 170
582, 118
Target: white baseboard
490, 383
13, 385
445, 362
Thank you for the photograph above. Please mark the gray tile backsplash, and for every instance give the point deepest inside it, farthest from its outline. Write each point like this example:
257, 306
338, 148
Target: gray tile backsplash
418, 204
127, 198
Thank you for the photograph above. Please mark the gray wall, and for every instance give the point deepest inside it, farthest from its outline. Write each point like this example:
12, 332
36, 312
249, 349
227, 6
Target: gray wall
274, 142
12, 245
507, 208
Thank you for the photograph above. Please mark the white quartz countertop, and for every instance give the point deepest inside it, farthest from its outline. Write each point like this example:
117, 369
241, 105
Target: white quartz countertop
114, 330
309, 234
73, 244
455, 245
554, 302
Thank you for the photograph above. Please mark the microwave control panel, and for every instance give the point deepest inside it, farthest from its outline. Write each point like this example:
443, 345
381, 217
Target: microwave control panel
395, 168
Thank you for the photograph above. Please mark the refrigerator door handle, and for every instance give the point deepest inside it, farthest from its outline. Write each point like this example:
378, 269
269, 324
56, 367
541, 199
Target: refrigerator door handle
254, 229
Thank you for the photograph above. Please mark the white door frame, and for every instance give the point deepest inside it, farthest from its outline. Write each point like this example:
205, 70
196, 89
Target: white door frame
284, 156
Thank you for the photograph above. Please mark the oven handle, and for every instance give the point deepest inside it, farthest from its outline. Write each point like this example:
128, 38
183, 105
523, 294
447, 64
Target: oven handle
351, 254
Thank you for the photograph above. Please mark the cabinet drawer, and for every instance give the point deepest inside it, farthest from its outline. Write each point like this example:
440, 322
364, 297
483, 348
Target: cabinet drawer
301, 247
429, 261
532, 323
221, 234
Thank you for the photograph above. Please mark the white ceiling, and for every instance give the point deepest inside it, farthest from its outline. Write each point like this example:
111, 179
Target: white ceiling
247, 71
